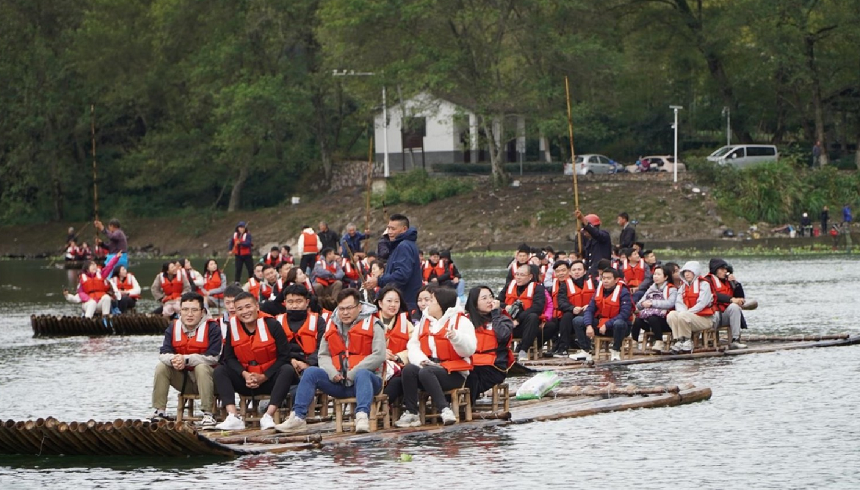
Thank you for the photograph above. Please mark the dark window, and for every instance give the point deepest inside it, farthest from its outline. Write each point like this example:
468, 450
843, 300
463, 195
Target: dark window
761, 151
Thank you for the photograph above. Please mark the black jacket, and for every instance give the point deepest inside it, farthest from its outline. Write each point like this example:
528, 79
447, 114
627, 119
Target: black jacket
628, 236
598, 247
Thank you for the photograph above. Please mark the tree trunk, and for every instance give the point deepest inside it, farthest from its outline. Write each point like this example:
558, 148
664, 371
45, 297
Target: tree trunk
499, 176
817, 108
236, 193
857, 153
325, 155
547, 155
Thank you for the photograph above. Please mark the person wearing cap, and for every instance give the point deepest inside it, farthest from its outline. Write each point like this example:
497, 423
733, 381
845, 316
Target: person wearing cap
242, 248
628, 233
597, 244
727, 306
694, 309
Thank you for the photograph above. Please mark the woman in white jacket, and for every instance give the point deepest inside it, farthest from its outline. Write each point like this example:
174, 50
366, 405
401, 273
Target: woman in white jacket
439, 353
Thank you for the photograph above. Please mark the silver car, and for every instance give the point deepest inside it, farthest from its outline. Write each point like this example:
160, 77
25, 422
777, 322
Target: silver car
659, 163
595, 164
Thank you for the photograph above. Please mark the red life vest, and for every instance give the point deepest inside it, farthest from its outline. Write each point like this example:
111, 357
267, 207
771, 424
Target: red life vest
266, 291
310, 245
329, 267
526, 297
634, 274
172, 288
488, 349
196, 344
309, 286
607, 307
306, 336
326, 314
441, 350
360, 343
254, 287
349, 271
213, 281
240, 249
398, 335
273, 261
125, 285
576, 296
94, 286
258, 348
720, 287
691, 296
431, 271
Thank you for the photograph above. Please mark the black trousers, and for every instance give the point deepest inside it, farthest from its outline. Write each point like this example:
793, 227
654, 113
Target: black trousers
482, 378
228, 382
527, 330
307, 263
435, 380
394, 389
654, 324
248, 262
126, 303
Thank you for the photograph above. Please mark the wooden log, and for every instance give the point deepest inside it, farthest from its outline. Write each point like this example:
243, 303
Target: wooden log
49, 429
270, 439
46, 444
107, 439
84, 445
611, 390
150, 432
8, 440
792, 338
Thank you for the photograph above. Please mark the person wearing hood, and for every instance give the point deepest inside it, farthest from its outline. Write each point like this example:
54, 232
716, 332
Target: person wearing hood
309, 245
241, 246
727, 306
187, 358
301, 325
608, 313
351, 356
805, 225
658, 300
402, 266
693, 308
440, 351
597, 244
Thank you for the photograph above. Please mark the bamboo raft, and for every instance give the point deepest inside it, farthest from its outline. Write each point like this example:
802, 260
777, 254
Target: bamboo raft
164, 439
128, 324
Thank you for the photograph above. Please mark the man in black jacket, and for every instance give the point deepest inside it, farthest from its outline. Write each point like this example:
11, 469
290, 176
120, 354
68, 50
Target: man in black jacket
628, 233
597, 243
530, 299
328, 237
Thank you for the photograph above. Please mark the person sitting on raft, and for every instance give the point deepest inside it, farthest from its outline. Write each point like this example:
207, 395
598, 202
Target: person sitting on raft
351, 356
301, 325
93, 288
214, 283
421, 304
493, 334
168, 287
608, 313
440, 351
572, 290
391, 311
693, 308
525, 301
257, 361
654, 306
187, 358
727, 306
126, 289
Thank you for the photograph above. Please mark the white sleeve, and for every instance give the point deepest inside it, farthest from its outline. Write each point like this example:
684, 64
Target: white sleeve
464, 340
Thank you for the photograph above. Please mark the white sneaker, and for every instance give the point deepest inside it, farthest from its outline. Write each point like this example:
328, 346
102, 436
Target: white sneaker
207, 422
408, 419
676, 347
614, 355
362, 422
658, 346
294, 423
448, 417
523, 356
736, 344
686, 346
267, 422
581, 355
232, 422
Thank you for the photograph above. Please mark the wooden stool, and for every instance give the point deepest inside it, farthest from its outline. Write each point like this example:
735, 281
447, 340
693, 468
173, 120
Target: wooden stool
249, 408
501, 394
533, 352
667, 341
186, 403
727, 339
460, 399
319, 403
378, 411
603, 343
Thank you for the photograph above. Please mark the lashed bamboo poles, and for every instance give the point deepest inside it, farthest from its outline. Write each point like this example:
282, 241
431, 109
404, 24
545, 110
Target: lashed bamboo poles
53, 326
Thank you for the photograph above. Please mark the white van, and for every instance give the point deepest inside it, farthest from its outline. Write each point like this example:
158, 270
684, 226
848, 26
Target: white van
742, 156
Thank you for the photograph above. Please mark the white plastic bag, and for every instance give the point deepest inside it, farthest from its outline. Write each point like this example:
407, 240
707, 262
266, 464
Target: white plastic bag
538, 386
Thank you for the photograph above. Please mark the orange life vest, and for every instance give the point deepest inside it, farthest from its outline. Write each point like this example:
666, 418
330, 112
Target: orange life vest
488, 349
398, 335
720, 287
196, 344
306, 336
125, 285
310, 245
254, 287
172, 288
576, 296
526, 297
360, 343
431, 271
607, 307
94, 286
213, 281
634, 274
240, 249
349, 272
691, 296
273, 261
441, 350
329, 267
256, 352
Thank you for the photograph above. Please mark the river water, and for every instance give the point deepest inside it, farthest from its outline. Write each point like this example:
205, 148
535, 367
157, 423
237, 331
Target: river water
777, 420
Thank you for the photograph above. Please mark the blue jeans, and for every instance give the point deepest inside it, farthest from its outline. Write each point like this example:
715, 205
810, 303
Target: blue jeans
366, 385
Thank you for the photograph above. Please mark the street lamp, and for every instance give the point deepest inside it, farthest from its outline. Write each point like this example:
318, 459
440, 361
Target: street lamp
727, 113
353, 73
676, 108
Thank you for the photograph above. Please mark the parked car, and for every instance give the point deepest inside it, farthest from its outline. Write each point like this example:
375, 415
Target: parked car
658, 163
593, 164
743, 156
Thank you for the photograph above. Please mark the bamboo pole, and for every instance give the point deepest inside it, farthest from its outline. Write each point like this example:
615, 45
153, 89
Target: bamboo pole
95, 167
369, 190
573, 162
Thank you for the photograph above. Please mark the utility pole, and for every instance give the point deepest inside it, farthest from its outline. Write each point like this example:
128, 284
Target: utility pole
727, 113
676, 108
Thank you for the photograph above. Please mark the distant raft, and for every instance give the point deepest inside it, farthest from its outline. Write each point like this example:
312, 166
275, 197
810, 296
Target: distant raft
70, 326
